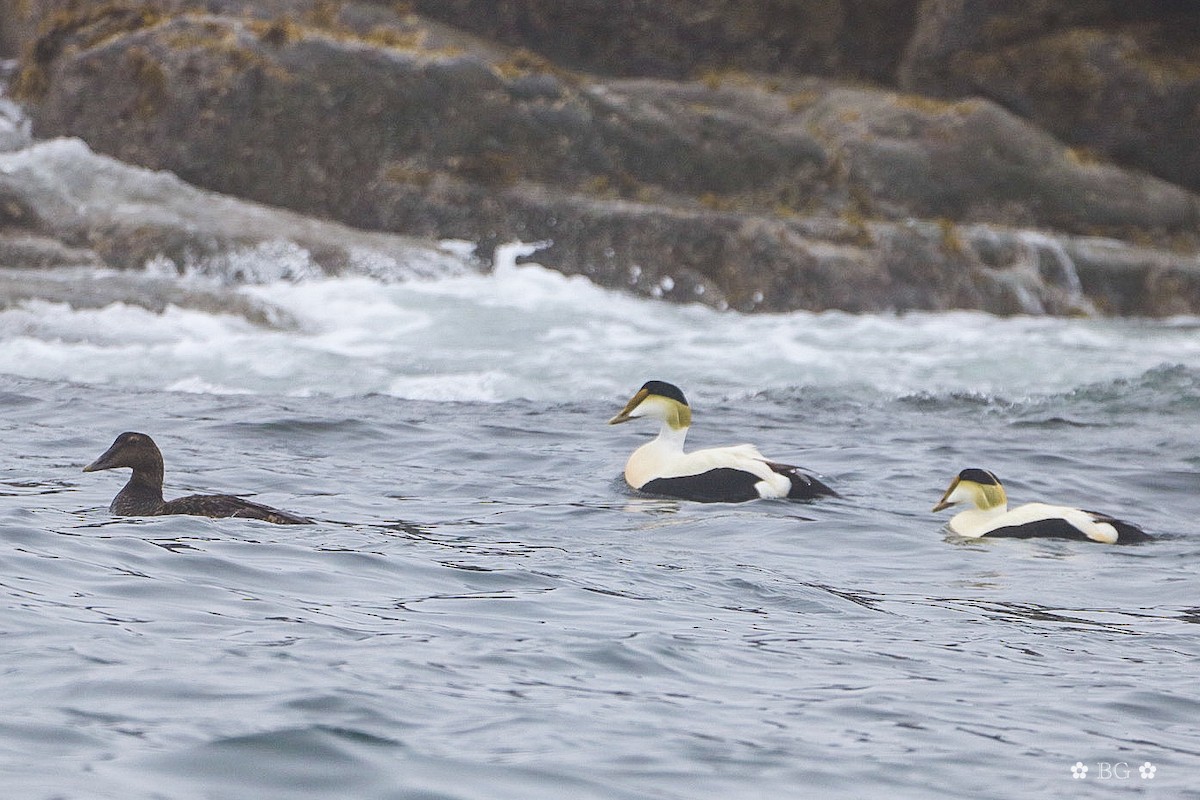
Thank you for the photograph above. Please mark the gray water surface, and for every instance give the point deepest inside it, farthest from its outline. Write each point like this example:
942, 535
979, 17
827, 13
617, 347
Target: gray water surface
485, 611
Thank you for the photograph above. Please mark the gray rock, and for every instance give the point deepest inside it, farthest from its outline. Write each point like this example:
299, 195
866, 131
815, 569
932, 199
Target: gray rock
61, 204
1119, 80
751, 192
853, 39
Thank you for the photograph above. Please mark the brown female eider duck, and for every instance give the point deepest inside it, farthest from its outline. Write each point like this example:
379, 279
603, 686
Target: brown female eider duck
143, 497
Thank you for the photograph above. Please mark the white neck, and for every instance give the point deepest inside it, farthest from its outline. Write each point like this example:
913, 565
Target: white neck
671, 438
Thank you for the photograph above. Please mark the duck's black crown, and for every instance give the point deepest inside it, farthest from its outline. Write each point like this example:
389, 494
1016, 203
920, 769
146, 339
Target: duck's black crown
980, 476
664, 389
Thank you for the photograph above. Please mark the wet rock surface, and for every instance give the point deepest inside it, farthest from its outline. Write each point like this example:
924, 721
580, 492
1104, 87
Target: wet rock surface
63, 205
794, 186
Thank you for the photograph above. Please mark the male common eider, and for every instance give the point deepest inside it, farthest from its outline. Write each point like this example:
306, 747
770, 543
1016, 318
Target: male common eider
990, 516
142, 496
716, 475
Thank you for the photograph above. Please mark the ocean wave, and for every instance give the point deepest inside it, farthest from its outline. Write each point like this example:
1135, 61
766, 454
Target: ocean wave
1158, 386
529, 332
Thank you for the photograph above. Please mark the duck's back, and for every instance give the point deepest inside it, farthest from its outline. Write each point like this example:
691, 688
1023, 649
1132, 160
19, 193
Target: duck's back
227, 505
1035, 520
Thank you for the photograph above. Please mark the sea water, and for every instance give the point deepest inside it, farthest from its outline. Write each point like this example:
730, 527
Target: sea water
484, 610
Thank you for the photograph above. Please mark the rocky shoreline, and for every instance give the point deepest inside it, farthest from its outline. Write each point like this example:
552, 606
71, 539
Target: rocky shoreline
869, 156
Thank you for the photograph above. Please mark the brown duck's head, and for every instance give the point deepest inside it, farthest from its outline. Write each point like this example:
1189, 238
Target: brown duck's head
135, 450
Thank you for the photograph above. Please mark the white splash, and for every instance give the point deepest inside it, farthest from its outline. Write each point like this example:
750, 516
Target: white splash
526, 331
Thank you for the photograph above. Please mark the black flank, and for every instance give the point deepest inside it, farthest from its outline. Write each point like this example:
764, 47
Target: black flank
722, 485
1042, 528
1061, 529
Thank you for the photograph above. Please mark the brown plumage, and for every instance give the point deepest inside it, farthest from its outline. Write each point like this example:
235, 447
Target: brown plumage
142, 496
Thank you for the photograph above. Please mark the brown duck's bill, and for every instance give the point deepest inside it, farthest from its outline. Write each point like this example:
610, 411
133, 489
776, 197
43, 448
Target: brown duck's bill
101, 462
641, 395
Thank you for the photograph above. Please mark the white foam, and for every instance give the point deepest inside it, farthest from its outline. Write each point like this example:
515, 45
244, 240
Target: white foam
484, 387
196, 385
525, 331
